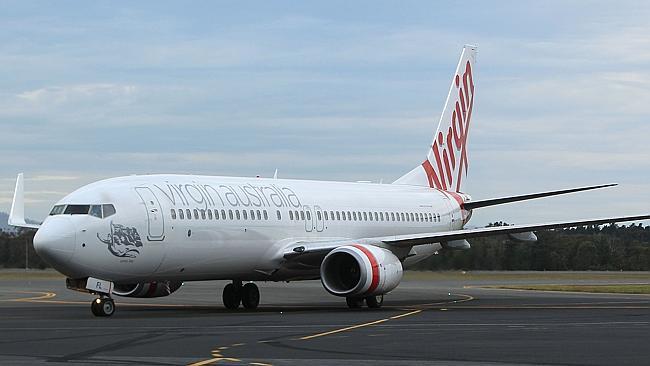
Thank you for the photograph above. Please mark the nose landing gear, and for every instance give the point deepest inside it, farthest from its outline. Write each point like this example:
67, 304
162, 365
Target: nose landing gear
235, 294
103, 306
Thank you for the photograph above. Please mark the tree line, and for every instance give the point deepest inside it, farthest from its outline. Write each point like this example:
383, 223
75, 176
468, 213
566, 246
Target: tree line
602, 248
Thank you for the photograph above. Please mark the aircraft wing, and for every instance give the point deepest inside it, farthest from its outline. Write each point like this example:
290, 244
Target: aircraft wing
445, 236
313, 252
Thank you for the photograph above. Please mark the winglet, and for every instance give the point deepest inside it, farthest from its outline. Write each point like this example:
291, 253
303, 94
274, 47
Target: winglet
17, 213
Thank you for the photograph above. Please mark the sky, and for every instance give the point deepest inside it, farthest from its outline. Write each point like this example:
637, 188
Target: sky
334, 90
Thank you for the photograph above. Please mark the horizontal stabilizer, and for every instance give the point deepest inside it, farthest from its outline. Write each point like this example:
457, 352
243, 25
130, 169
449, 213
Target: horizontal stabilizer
500, 201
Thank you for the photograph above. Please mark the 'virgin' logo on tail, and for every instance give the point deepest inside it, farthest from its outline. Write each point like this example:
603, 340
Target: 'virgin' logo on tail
447, 161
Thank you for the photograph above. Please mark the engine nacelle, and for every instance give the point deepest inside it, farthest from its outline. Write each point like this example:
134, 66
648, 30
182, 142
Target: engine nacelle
360, 270
147, 289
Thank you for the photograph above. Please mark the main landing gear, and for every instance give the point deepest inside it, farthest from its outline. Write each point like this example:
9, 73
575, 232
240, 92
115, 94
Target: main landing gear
103, 306
235, 293
373, 302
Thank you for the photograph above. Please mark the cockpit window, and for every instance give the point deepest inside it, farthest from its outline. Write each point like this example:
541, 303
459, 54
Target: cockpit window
77, 209
100, 211
109, 210
96, 210
57, 210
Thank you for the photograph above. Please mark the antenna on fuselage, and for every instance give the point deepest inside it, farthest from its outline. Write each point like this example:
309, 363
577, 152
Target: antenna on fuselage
275, 175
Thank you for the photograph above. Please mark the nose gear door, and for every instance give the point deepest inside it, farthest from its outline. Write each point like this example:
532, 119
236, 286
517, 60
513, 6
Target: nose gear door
155, 217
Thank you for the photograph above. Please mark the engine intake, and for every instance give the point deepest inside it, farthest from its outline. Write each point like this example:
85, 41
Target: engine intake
360, 270
147, 289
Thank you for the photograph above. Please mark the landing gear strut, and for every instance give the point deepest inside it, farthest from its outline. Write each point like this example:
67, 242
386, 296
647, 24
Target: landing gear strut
103, 306
373, 302
235, 293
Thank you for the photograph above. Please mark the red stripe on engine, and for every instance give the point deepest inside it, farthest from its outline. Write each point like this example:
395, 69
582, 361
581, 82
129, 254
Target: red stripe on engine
375, 267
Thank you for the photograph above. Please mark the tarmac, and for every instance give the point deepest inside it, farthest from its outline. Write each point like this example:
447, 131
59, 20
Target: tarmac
430, 319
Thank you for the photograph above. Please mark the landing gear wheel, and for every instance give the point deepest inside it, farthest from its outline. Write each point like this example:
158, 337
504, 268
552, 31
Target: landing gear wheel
354, 302
375, 302
103, 307
231, 296
250, 296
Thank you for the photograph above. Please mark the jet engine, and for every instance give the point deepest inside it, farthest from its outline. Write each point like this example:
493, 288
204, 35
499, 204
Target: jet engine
360, 270
147, 289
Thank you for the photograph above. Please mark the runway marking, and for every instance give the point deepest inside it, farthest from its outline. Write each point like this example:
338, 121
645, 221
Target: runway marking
407, 314
344, 329
410, 313
44, 295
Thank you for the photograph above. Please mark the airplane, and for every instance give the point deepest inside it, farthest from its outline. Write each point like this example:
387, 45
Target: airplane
145, 235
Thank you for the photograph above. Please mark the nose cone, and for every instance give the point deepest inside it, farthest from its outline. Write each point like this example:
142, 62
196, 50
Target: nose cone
55, 241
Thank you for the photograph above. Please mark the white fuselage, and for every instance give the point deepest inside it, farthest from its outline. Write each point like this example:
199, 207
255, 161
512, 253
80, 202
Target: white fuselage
239, 228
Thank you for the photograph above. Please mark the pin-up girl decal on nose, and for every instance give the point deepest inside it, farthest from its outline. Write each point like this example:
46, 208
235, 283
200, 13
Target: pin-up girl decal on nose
123, 241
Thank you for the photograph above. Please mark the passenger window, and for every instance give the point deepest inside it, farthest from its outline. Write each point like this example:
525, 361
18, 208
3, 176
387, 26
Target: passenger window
266, 215
230, 215
96, 210
338, 216
376, 216
203, 214
252, 214
332, 215
259, 215
308, 215
302, 215
237, 215
290, 215
381, 216
216, 214
244, 214
326, 215
210, 214
278, 214
188, 213
343, 215
365, 216
180, 214
223, 214
173, 214
354, 215
196, 214
318, 216
349, 214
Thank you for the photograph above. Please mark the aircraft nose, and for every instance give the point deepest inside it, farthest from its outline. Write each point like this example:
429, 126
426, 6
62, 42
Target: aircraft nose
55, 240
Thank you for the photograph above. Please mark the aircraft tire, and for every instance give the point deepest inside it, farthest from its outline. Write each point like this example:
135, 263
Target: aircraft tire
375, 302
250, 296
231, 296
354, 302
103, 307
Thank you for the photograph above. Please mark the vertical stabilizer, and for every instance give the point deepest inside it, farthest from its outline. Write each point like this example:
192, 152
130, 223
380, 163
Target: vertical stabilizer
446, 164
